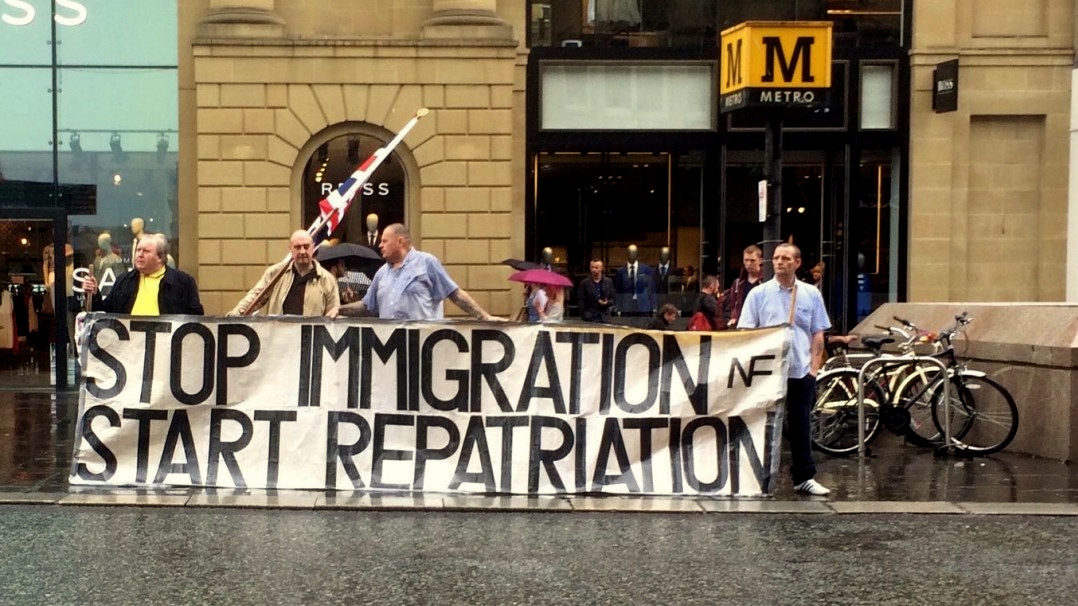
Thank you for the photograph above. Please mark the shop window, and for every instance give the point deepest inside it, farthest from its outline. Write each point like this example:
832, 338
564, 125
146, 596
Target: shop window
878, 104
119, 146
605, 96
383, 196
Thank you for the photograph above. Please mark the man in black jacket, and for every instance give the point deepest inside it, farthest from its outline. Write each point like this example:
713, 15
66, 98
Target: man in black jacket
152, 288
595, 295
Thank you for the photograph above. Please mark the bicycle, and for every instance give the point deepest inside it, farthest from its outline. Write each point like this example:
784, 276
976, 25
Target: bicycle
983, 416
834, 415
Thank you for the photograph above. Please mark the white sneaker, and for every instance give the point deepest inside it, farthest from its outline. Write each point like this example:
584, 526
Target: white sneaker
812, 487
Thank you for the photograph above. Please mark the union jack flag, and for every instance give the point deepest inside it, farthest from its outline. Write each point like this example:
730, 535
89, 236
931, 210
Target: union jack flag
331, 209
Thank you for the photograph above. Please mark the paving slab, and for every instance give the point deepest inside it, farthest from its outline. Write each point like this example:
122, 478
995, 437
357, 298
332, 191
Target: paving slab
632, 504
506, 503
846, 507
1032, 509
279, 500
124, 499
765, 506
17, 498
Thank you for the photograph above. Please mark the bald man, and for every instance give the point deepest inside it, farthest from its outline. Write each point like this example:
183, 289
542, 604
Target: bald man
305, 290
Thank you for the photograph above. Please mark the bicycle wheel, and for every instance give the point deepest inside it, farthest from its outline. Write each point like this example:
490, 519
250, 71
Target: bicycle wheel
833, 419
983, 411
914, 394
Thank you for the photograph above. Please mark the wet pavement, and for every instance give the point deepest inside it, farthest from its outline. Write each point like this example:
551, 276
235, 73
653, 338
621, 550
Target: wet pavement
122, 555
37, 427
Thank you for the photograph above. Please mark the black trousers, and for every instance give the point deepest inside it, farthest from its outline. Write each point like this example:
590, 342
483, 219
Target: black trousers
800, 394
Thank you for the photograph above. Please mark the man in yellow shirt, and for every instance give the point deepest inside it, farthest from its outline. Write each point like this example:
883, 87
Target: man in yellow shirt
152, 288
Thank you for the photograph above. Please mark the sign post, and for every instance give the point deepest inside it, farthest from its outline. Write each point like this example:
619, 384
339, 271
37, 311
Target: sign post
774, 65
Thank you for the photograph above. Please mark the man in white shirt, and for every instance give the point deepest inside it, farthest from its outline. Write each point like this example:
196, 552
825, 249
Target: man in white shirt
784, 299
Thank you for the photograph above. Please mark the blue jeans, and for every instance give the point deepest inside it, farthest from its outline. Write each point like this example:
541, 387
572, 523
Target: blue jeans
800, 394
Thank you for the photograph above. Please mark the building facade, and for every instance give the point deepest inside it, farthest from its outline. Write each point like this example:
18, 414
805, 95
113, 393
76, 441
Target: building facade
578, 126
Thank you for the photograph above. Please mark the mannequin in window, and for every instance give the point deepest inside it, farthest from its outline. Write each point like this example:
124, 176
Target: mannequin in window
664, 272
635, 285
372, 235
546, 259
107, 264
138, 227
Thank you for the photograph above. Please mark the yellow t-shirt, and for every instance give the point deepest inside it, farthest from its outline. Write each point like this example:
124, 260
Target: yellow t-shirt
146, 299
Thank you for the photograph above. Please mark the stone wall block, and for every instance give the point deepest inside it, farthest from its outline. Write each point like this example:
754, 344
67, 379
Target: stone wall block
267, 225
209, 199
278, 199
488, 277
355, 101
240, 252
452, 122
464, 252
430, 152
380, 101
208, 95
501, 147
467, 147
467, 96
467, 199
444, 225
243, 147
265, 173
209, 147
433, 95
431, 199
290, 128
243, 95
209, 252
445, 173
218, 277
220, 121
489, 225
223, 225
409, 99
490, 121
219, 172
276, 95
489, 173
302, 102
280, 151
258, 121
501, 199
243, 199
331, 99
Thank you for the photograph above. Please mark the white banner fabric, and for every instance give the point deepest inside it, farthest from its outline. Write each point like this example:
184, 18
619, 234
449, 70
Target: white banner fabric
303, 403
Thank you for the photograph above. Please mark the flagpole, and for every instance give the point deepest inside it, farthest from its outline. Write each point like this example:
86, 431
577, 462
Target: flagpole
367, 170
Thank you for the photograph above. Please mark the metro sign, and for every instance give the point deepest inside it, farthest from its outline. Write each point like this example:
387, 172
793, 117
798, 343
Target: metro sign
775, 64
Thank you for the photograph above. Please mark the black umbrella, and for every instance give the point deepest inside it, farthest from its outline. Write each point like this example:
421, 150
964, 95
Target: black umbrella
356, 257
519, 265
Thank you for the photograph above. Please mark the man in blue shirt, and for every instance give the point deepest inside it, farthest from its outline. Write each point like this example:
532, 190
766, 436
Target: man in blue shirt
411, 285
769, 304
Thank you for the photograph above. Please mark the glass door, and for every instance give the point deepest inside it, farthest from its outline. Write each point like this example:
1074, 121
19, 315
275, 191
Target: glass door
29, 321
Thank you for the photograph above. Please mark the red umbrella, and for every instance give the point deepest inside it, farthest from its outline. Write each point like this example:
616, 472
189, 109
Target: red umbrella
541, 276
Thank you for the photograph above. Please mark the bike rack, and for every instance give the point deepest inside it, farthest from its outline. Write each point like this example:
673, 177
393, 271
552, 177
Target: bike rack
861, 447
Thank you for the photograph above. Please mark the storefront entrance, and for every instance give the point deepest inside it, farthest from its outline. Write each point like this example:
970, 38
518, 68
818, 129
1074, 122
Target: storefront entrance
31, 329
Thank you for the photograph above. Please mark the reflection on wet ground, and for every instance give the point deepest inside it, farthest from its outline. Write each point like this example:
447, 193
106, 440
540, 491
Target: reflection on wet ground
37, 429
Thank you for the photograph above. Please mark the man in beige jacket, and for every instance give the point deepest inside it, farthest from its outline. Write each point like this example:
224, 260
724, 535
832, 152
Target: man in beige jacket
305, 290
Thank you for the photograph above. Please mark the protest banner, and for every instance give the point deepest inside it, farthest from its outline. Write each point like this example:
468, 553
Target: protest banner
452, 406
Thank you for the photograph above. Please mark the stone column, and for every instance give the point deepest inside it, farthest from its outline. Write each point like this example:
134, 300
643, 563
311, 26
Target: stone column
466, 19
241, 19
